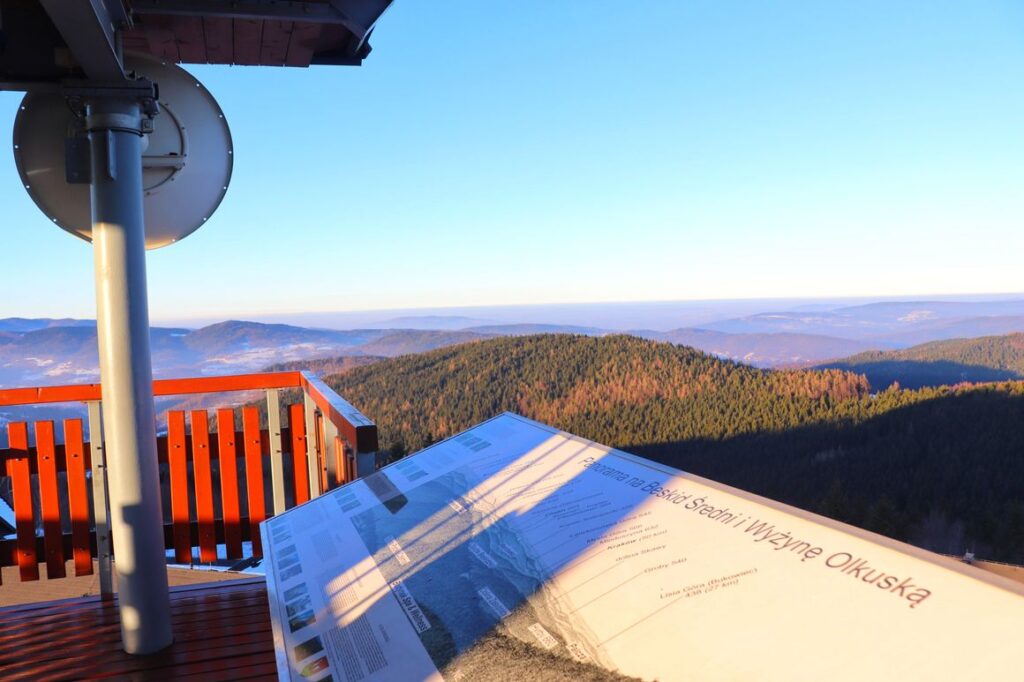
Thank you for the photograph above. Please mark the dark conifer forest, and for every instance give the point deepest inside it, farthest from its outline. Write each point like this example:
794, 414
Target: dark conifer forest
941, 467
953, 361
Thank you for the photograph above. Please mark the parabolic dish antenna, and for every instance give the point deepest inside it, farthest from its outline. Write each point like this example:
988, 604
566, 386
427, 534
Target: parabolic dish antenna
186, 165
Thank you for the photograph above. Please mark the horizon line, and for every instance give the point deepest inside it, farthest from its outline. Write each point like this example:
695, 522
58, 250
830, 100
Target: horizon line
432, 311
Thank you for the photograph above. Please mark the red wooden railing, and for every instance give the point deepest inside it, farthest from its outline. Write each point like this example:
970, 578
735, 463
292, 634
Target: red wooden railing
215, 486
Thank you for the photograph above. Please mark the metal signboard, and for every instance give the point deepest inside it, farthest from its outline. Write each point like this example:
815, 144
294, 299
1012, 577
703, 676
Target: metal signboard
611, 560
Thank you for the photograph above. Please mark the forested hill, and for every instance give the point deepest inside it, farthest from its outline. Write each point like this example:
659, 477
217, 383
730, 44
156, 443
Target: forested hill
325, 366
938, 467
619, 390
989, 358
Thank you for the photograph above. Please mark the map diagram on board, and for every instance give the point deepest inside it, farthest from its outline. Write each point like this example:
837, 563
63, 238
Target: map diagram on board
593, 557
464, 581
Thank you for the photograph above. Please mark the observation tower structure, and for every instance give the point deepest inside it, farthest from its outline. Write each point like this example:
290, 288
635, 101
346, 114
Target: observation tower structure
119, 146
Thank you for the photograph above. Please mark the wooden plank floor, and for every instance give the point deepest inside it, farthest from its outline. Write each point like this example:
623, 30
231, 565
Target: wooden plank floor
221, 631
14, 592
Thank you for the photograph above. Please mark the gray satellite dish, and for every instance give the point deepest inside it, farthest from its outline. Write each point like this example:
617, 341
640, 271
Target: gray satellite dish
186, 165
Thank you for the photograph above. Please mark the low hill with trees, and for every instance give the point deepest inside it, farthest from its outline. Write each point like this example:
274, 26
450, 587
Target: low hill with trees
989, 358
325, 366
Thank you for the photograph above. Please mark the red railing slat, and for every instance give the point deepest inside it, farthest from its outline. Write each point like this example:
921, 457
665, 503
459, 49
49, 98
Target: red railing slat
228, 461
297, 424
78, 495
21, 489
49, 499
202, 474
177, 459
254, 474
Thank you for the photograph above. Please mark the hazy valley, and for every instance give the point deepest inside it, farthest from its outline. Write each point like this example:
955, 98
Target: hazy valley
53, 351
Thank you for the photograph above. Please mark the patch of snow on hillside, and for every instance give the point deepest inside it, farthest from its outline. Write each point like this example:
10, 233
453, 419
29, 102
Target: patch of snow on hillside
260, 357
68, 369
917, 316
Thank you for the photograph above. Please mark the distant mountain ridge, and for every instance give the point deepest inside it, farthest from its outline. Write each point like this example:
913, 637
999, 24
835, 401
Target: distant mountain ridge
409, 341
51, 354
48, 351
888, 324
432, 322
528, 329
22, 324
763, 350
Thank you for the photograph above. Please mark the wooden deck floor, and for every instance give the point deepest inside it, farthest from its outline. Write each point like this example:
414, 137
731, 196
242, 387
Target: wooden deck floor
221, 631
14, 592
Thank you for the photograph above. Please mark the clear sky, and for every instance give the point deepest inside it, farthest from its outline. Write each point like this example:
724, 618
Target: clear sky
507, 152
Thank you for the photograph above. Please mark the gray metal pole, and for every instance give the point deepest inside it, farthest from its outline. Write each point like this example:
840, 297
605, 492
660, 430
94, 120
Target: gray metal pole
122, 323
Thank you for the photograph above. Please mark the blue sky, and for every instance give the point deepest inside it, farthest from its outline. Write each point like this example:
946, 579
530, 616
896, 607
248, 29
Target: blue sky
510, 153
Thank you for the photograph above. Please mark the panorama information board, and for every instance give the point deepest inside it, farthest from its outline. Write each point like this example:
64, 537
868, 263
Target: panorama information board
611, 560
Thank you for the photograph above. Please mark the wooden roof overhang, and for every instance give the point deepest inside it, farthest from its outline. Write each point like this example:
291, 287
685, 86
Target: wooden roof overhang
43, 41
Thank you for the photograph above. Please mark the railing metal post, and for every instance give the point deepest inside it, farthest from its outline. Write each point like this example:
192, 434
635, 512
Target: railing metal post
100, 501
115, 132
366, 464
331, 452
276, 450
311, 453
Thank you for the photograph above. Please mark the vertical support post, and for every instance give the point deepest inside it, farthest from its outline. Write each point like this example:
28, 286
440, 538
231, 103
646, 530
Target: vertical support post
276, 450
311, 454
331, 452
100, 501
366, 464
114, 126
